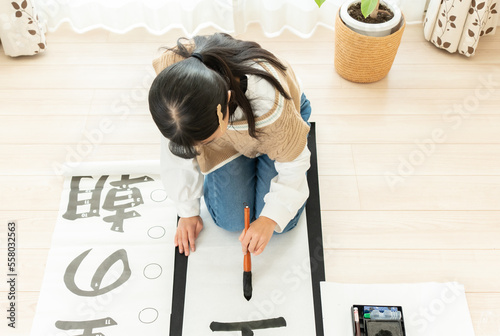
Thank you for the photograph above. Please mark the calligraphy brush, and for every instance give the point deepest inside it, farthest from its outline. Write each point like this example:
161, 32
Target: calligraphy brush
247, 263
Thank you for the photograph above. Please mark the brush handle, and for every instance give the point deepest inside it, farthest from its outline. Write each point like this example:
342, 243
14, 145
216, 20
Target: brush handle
247, 261
247, 218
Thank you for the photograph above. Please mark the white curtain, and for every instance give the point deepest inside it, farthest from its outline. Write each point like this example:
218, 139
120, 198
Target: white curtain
303, 16
232, 16
120, 16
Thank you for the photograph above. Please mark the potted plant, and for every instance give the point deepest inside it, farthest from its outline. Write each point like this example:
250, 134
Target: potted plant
367, 37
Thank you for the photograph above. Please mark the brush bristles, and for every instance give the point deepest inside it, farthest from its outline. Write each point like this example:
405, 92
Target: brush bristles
247, 285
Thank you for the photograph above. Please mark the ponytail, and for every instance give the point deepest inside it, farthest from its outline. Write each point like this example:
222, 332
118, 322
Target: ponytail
232, 58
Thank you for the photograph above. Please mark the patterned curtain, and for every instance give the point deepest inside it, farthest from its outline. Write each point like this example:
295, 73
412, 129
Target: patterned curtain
457, 25
20, 31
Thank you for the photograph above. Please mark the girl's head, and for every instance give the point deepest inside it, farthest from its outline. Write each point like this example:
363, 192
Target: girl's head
183, 101
185, 96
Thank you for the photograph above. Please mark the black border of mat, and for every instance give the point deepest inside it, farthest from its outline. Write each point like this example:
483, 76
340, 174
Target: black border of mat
178, 293
314, 232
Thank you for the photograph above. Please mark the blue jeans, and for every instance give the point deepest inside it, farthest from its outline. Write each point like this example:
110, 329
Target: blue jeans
244, 180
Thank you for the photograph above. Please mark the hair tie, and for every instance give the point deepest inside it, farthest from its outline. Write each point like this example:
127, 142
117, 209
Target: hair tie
198, 56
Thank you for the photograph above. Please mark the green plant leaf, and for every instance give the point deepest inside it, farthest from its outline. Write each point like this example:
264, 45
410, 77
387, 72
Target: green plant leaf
368, 6
319, 2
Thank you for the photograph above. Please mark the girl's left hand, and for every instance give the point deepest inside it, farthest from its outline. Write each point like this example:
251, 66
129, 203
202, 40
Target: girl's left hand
257, 236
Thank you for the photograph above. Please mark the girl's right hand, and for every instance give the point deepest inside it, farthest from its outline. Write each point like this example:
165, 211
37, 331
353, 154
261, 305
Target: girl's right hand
188, 229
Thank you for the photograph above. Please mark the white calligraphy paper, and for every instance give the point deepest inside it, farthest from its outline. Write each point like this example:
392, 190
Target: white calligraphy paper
110, 266
281, 278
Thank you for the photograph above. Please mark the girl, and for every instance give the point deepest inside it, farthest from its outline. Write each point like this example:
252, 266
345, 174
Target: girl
234, 126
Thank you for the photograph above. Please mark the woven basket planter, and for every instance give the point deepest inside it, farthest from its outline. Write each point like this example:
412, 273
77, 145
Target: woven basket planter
364, 59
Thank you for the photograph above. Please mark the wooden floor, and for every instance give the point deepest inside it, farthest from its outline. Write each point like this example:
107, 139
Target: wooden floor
409, 166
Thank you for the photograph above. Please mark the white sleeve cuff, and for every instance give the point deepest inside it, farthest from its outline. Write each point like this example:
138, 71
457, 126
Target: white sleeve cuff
188, 208
278, 213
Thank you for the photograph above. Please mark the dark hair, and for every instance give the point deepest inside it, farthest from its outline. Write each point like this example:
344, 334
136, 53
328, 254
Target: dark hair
183, 98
